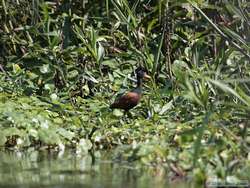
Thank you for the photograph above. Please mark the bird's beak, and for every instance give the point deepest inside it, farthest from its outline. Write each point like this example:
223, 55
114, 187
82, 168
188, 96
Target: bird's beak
146, 77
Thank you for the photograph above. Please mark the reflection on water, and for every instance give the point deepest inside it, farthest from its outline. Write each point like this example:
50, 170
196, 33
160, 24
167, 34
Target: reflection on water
56, 170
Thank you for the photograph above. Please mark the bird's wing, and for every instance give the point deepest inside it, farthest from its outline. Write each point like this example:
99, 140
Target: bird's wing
125, 100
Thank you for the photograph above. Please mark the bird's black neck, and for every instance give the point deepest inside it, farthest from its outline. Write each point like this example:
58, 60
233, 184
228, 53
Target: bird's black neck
138, 88
139, 83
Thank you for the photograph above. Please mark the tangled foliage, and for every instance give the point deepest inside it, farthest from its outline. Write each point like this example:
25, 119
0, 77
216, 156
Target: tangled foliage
63, 61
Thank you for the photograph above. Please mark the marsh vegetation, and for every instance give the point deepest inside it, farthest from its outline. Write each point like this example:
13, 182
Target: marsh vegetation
62, 63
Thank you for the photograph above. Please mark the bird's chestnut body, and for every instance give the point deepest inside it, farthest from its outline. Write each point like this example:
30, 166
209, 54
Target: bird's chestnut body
132, 98
127, 101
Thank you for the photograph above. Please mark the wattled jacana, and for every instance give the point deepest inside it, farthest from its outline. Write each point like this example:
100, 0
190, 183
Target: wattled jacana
131, 98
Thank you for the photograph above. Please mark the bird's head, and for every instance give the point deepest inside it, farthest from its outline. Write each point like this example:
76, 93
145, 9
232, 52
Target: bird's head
141, 73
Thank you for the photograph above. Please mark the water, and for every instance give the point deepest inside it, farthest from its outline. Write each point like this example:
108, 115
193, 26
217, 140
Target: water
60, 170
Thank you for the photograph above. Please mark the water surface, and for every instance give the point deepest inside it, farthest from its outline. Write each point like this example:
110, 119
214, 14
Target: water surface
60, 170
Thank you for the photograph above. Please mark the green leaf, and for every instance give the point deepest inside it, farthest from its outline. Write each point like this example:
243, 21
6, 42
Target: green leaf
3, 138
117, 113
166, 107
228, 89
49, 136
84, 146
45, 68
66, 134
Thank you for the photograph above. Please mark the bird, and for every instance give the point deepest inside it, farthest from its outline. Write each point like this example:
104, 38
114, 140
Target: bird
130, 99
